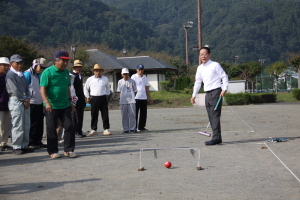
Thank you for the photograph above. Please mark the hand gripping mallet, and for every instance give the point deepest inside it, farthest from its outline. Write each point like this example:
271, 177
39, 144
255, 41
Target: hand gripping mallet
216, 107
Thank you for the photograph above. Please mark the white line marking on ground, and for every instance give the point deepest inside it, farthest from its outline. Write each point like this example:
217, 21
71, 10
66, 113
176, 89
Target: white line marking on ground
281, 162
252, 131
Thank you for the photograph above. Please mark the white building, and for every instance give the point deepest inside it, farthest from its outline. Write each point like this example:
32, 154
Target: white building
154, 69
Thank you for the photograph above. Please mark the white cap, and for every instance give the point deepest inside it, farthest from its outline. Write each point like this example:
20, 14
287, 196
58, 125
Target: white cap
125, 71
4, 60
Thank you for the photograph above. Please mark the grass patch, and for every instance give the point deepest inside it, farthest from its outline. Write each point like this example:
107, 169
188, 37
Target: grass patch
286, 97
173, 98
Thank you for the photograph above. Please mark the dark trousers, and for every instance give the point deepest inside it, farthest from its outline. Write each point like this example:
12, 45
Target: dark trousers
99, 103
211, 99
77, 117
141, 107
69, 136
36, 124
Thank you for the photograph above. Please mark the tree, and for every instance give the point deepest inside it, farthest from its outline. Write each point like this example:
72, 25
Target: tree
245, 74
275, 70
255, 69
234, 71
10, 46
294, 59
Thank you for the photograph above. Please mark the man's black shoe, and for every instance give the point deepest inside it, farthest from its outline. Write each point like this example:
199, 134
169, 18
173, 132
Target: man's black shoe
133, 131
42, 145
18, 151
27, 150
34, 147
125, 132
213, 142
78, 136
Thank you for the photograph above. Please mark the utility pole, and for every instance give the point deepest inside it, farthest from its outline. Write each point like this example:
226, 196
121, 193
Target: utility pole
186, 26
199, 28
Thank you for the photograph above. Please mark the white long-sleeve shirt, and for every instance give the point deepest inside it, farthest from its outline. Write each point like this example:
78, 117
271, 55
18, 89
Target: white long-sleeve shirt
96, 86
211, 74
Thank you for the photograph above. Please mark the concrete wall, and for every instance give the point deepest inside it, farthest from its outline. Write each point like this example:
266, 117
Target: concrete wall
236, 86
153, 81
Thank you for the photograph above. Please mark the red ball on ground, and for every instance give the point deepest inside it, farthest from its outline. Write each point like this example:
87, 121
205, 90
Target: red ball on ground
168, 164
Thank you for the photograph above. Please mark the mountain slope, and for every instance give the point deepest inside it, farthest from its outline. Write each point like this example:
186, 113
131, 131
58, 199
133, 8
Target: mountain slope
251, 29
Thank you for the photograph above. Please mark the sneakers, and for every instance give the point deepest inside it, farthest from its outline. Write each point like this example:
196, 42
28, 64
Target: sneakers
93, 132
55, 155
142, 130
70, 154
106, 132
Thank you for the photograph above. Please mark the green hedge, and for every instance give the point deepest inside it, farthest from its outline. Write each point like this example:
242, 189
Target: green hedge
247, 98
296, 93
182, 82
166, 85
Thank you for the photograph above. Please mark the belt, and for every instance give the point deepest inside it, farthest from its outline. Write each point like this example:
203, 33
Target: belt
11, 95
213, 90
99, 96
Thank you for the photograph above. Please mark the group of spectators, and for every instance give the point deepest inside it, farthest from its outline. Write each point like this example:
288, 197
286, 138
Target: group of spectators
59, 95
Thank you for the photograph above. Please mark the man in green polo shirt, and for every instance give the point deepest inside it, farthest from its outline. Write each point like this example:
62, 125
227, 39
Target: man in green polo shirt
55, 90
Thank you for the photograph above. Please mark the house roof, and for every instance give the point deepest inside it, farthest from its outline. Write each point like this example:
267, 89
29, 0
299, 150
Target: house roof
108, 61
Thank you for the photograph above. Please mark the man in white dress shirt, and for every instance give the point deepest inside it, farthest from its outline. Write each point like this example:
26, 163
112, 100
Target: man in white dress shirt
96, 90
211, 74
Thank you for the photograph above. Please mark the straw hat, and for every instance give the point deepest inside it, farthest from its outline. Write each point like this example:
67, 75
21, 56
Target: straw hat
97, 66
77, 63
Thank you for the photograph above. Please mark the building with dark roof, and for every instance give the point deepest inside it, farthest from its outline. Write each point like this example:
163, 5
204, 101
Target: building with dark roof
154, 69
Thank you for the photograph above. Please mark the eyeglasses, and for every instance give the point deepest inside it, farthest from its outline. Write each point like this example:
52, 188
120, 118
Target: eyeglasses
203, 54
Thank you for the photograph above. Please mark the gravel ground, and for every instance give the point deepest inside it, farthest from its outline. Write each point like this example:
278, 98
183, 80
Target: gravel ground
242, 167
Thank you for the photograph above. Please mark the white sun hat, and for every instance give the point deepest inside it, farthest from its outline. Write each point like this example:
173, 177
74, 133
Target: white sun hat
4, 60
125, 71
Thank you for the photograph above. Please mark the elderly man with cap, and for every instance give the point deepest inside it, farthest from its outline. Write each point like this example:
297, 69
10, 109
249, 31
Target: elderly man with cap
80, 104
32, 76
19, 102
141, 97
4, 111
55, 90
96, 90
127, 89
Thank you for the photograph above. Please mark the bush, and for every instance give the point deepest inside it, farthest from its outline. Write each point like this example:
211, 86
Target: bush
296, 93
268, 97
237, 99
187, 90
166, 85
255, 98
247, 98
182, 82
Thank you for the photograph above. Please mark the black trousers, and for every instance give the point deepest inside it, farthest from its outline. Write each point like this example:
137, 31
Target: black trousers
36, 124
99, 103
141, 108
69, 136
211, 99
77, 117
